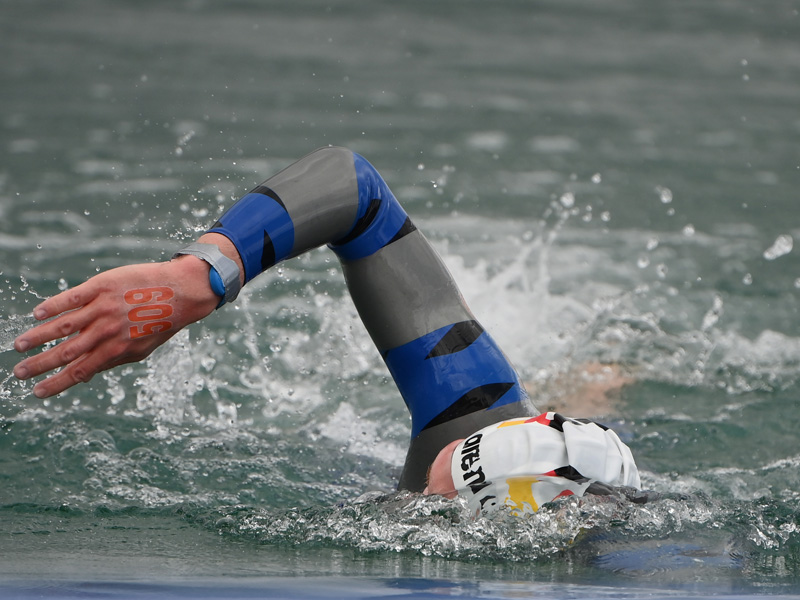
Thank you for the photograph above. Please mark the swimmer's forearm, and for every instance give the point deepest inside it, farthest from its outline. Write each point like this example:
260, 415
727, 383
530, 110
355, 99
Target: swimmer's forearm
331, 196
122, 315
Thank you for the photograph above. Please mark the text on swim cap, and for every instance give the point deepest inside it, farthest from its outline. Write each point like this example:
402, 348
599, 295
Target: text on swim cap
470, 454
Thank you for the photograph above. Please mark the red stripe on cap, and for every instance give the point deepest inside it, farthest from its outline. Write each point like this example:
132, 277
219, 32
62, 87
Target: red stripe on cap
543, 419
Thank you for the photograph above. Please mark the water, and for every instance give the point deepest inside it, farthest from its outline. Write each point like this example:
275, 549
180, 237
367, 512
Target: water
608, 183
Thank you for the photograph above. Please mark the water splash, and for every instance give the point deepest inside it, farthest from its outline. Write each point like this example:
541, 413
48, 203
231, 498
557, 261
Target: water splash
11, 327
12, 391
602, 532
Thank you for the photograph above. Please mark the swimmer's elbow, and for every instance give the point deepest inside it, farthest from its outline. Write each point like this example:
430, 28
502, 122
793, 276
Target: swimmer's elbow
368, 181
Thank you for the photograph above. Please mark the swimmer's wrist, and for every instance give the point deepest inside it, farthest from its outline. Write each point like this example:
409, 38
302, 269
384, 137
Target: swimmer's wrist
224, 274
192, 273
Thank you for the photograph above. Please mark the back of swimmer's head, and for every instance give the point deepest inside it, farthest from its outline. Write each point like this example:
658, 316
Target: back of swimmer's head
523, 463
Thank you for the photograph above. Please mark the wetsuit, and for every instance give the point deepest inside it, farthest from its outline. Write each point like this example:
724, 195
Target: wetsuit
452, 375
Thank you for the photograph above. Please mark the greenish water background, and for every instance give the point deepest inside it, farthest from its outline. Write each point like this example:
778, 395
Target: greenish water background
612, 182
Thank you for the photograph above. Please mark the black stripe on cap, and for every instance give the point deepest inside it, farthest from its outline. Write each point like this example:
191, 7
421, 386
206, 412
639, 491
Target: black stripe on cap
571, 473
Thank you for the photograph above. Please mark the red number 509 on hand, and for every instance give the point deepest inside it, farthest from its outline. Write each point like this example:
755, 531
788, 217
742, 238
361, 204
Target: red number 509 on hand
149, 313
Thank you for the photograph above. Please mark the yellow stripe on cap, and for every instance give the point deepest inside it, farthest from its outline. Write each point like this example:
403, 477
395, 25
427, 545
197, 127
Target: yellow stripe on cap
513, 422
520, 493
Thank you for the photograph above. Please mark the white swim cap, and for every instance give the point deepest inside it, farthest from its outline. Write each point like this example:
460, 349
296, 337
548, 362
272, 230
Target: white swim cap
524, 463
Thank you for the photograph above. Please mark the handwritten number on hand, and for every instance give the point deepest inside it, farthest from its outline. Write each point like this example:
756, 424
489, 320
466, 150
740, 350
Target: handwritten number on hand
149, 314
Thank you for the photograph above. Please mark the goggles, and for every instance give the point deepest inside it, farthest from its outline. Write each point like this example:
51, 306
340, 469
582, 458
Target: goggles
524, 463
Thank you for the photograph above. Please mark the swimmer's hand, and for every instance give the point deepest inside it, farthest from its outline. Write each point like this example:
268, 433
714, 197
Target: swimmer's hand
116, 317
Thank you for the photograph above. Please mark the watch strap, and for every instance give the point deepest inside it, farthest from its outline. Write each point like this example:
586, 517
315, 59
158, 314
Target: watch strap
224, 273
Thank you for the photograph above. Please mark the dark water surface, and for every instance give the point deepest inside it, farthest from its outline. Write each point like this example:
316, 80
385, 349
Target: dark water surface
609, 182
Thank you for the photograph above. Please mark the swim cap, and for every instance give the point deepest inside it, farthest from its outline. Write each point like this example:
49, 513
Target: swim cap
524, 463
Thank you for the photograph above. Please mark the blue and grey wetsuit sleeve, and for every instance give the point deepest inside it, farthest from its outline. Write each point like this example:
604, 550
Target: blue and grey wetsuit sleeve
451, 374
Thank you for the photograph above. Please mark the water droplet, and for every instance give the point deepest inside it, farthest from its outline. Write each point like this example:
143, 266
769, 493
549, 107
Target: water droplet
605, 216
688, 230
597, 178
420, 167
62, 284
747, 279
567, 200
642, 262
664, 194
652, 244
275, 347
782, 245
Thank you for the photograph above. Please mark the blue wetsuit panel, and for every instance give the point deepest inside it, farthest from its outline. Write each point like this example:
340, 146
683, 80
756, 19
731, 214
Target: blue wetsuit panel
380, 219
451, 372
260, 228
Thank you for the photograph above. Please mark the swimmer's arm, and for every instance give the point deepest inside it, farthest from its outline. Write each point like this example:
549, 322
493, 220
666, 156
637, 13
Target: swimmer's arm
117, 317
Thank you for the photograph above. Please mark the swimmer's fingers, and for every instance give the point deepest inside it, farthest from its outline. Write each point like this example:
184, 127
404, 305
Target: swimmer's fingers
72, 299
100, 358
92, 333
116, 317
80, 371
72, 321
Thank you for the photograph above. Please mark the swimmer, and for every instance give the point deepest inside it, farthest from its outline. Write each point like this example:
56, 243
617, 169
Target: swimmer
474, 431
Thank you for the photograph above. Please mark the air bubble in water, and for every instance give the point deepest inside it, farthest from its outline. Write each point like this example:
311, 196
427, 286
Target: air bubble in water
665, 194
597, 178
688, 230
747, 279
712, 316
275, 347
782, 245
62, 284
567, 200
